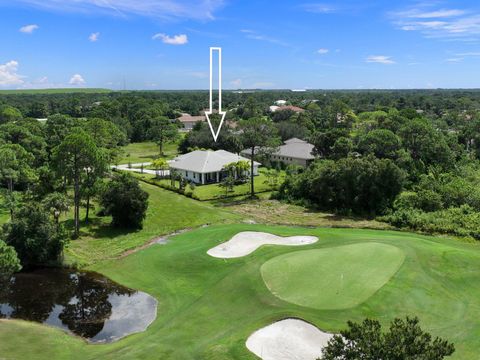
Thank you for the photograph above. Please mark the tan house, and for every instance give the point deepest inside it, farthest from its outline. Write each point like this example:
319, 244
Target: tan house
189, 121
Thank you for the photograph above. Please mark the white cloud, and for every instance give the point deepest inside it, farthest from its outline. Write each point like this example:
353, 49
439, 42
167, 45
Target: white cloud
77, 80
180, 39
8, 74
454, 60
251, 34
28, 29
441, 23
94, 37
469, 54
318, 8
163, 9
380, 59
441, 13
322, 51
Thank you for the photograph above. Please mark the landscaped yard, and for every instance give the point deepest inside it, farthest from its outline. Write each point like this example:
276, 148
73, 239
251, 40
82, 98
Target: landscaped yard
207, 307
215, 191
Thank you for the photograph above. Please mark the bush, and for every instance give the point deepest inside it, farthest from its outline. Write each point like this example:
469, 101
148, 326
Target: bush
37, 239
9, 262
461, 221
403, 340
125, 201
358, 185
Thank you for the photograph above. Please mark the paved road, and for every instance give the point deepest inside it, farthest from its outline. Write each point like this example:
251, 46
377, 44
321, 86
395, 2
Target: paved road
137, 168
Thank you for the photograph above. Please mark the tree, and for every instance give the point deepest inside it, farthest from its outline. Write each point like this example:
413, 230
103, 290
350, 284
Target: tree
57, 128
14, 167
35, 237
380, 142
9, 114
162, 132
258, 134
404, 340
125, 201
160, 164
228, 183
324, 141
351, 185
9, 262
75, 158
93, 174
56, 203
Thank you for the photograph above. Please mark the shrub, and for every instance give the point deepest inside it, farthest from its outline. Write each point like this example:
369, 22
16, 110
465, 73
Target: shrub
37, 239
125, 201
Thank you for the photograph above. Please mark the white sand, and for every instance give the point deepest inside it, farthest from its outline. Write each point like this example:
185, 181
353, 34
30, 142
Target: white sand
246, 242
289, 339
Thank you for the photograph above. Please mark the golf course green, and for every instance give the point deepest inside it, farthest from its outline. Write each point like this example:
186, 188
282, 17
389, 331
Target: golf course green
208, 307
340, 277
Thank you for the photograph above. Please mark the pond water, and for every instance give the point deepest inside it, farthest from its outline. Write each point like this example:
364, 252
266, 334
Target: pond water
83, 303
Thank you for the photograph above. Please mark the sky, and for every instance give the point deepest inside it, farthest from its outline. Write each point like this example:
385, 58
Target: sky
284, 44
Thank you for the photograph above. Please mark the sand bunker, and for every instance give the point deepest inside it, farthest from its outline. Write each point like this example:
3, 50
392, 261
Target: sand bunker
246, 242
288, 339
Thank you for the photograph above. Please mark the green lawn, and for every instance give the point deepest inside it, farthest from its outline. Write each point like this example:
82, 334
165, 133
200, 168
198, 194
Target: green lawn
339, 277
208, 306
146, 152
214, 191
167, 212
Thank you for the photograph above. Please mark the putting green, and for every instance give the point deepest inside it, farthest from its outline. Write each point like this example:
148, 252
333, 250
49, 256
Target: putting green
340, 277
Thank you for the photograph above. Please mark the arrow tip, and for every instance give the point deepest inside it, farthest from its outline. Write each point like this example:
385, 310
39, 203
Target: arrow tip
215, 133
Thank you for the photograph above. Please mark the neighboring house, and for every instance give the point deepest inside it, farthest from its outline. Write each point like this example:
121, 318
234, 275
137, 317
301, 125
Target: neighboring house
189, 121
206, 166
281, 102
293, 151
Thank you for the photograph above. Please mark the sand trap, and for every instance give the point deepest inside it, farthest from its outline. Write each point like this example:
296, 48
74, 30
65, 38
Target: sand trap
246, 242
288, 339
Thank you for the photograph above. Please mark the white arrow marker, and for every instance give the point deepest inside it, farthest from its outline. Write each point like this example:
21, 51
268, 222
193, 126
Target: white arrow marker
210, 112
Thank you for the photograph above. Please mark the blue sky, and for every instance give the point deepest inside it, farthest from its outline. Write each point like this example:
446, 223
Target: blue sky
164, 44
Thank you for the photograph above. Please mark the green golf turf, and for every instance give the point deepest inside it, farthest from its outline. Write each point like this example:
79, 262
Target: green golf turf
335, 278
208, 307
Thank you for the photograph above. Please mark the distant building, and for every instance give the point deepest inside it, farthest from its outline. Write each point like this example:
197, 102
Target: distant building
204, 167
296, 109
293, 151
281, 102
189, 121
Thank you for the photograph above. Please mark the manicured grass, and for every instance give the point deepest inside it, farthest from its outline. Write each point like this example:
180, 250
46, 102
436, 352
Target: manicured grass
340, 277
147, 152
208, 307
167, 212
214, 191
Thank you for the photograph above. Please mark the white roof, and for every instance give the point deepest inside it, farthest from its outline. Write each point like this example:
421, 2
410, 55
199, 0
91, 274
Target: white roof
201, 161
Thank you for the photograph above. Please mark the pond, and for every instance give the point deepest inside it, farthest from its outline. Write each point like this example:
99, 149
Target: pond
83, 303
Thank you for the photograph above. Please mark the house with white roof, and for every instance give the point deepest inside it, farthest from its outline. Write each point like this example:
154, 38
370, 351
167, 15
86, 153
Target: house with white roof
206, 166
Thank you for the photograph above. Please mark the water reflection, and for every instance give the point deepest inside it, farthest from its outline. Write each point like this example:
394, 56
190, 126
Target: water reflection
84, 303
